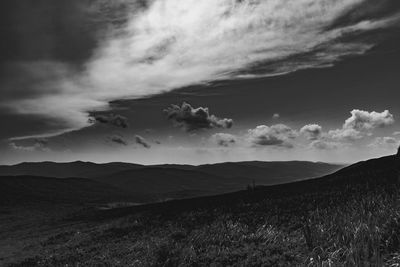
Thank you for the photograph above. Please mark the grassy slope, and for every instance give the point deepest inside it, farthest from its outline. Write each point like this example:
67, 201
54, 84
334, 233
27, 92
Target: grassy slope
348, 218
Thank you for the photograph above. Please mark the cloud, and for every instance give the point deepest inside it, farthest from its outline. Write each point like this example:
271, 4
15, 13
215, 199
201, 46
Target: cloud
224, 139
324, 145
169, 44
312, 131
118, 140
344, 134
40, 144
192, 119
358, 126
278, 135
276, 116
396, 133
115, 120
362, 123
385, 142
361, 120
141, 141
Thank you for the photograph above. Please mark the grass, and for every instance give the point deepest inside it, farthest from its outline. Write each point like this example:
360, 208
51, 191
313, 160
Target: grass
315, 223
349, 226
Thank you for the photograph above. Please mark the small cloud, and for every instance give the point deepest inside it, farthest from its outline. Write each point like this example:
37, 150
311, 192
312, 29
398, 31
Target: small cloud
224, 139
396, 133
192, 119
118, 140
115, 120
276, 116
276, 135
141, 141
312, 131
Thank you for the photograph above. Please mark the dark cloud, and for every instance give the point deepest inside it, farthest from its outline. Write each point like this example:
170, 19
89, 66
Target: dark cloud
118, 140
192, 119
65, 30
115, 120
141, 141
276, 135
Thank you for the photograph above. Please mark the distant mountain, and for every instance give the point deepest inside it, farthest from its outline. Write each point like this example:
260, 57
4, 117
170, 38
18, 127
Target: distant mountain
76, 169
161, 182
360, 176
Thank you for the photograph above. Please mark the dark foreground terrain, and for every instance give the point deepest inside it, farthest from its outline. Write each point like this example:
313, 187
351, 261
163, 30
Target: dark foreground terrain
349, 218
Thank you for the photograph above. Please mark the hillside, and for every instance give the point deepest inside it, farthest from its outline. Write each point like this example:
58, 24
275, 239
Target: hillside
28, 190
76, 169
174, 183
161, 182
348, 218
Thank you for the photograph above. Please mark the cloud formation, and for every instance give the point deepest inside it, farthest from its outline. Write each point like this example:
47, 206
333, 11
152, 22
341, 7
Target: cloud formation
168, 44
40, 144
192, 119
361, 120
324, 145
141, 141
278, 135
362, 123
224, 139
311, 131
117, 139
111, 119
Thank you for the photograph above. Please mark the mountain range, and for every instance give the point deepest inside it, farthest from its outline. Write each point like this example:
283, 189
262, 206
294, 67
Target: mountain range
139, 183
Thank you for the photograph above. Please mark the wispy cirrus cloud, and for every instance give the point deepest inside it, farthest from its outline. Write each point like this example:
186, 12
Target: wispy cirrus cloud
168, 44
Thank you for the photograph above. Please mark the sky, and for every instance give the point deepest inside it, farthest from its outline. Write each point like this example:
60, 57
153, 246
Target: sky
199, 81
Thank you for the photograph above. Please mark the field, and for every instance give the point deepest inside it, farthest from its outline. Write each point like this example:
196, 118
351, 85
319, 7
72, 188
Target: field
350, 218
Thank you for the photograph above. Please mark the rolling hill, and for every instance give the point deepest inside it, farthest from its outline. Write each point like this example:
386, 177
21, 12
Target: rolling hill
161, 182
16, 190
347, 218
76, 169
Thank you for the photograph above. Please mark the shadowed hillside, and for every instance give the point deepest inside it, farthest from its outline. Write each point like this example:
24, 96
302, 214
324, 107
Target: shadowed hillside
161, 182
348, 218
77, 169
17, 190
